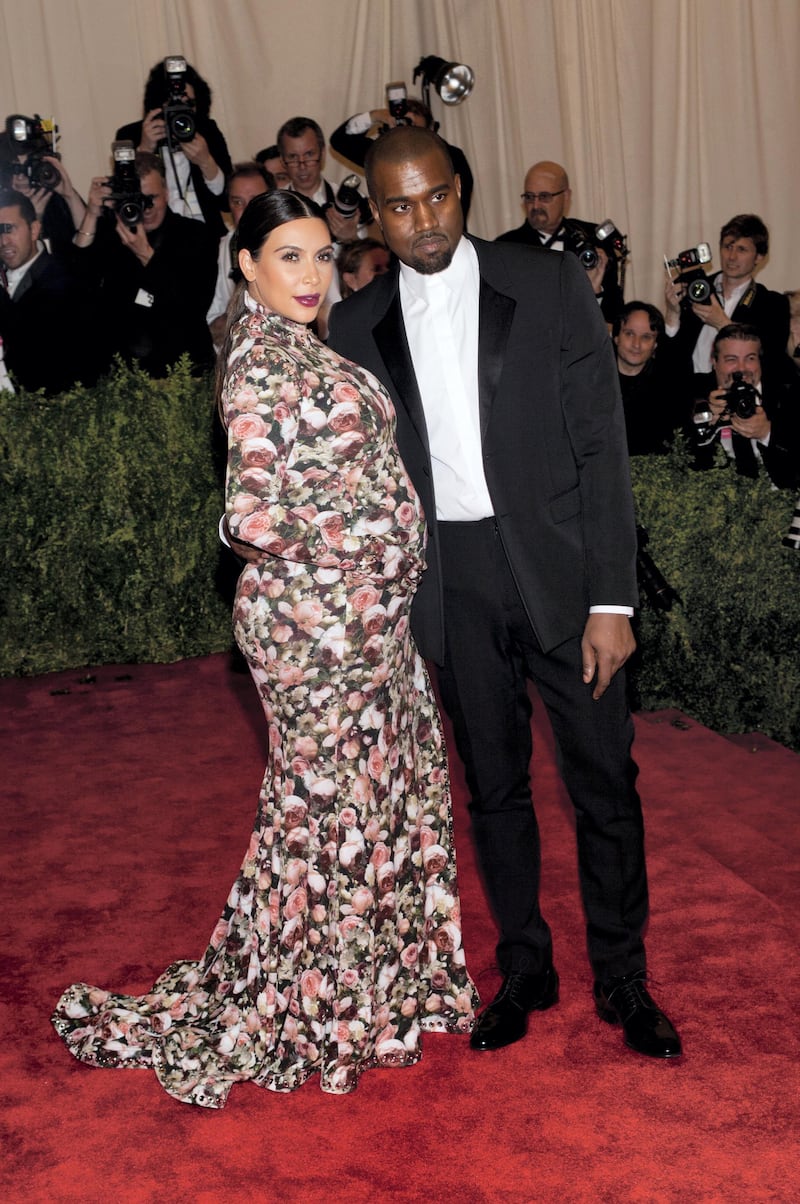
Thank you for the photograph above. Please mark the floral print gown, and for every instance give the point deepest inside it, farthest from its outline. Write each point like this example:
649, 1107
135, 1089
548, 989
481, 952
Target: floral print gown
340, 942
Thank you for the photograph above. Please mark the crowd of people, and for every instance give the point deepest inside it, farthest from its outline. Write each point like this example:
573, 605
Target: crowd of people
398, 487
72, 266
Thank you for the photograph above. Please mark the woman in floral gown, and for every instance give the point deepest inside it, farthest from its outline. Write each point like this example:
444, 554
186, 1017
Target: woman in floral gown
340, 942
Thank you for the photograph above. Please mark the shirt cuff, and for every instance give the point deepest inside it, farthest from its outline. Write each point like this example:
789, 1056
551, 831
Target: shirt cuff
217, 183
611, 610
358, 124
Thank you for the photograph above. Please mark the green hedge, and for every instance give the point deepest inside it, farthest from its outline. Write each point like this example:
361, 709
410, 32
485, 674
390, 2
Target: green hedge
728, 652
110, 554
111, 503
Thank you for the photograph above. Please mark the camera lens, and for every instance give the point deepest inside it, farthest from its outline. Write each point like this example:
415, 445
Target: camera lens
589, 258
699, 291
130, 212
182, 126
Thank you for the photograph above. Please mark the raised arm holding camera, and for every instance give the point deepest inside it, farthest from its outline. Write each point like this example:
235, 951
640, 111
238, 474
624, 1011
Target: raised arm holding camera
177, 126
31, 165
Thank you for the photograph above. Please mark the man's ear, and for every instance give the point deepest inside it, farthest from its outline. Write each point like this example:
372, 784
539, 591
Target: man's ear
376, 213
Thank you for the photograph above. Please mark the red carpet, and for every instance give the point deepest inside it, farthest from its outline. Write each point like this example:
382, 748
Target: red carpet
128, 805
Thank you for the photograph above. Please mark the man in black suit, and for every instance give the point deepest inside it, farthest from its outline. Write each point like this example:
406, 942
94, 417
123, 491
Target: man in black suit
546, 199
759, 429
510, 425
734, 296
47, 321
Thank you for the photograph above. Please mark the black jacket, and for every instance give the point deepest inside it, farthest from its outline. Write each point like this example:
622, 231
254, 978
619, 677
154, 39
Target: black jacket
781, 456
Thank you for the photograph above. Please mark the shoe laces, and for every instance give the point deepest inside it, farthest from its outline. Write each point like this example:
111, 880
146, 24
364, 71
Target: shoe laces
513, 989
629, 996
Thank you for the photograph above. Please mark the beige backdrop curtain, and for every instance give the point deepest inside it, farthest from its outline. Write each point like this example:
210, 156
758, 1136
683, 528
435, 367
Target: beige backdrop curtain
670, 115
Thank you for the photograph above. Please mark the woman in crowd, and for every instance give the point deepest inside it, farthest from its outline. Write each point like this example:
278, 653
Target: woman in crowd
340, 941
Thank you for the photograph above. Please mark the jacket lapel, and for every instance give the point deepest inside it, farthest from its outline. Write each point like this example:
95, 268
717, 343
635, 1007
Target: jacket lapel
496, 312
391, 341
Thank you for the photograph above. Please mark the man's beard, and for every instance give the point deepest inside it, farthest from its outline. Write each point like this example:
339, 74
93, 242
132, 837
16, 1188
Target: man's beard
431, 264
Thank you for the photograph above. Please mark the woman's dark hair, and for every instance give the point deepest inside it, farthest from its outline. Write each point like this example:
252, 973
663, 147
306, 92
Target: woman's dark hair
262, 215
156, 90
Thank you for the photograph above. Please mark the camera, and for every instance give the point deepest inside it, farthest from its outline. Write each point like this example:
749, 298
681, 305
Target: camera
126, 196
397, 102
741, 398
178, 111
34, 137
347, 199
688, 271
585, 246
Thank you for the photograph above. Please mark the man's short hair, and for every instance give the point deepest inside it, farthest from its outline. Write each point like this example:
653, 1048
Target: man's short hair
397, 145
250, 170
414, 105
295, 127
269, 152
737, 330
654, 317
146, 161
747, 225
10, 198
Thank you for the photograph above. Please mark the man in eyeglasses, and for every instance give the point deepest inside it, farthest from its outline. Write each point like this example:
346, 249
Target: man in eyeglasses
156, 278
546, 198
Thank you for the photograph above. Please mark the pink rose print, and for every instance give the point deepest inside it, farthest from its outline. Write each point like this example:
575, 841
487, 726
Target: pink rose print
258, 453
247, 426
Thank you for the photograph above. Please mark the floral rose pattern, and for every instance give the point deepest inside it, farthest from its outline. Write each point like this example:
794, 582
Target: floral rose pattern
341, 939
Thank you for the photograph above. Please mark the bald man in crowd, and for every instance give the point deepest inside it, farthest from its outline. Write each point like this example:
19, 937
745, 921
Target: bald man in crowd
546, 198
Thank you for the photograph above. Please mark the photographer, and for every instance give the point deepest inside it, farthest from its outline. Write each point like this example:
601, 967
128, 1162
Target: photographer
353, 138
546, 198
247, 180
45, 311
734, 296
156, 275
28, 165
195, 168
654, 397
756, 419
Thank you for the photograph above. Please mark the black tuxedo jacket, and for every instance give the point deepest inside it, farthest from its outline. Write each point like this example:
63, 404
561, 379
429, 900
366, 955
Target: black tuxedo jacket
49, 327
781, 456
552, 429
211, 206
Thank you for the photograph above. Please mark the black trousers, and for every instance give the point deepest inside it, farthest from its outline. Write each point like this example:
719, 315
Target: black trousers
491, 651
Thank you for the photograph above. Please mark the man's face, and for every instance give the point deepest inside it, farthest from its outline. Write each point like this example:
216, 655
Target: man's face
241, 191
545, 215
635, 342
374, 262
737, 355
18, 240
738, 258
153, 186
417, 206
279, 172
302, 160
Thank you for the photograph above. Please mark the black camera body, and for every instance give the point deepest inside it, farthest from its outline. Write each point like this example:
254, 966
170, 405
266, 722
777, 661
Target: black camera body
689, 271
397, 103
35, 138
586, 244
125, 193
741, 398
178, 111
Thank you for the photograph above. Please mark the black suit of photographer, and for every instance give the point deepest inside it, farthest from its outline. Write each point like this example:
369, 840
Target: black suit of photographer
611, 301
760, 307
211, 206
781, 456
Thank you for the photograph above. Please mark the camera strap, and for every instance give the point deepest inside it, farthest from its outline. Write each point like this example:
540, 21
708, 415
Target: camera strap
749, 297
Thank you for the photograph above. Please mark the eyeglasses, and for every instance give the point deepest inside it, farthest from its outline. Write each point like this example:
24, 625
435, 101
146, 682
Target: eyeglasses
545, 197
296, 160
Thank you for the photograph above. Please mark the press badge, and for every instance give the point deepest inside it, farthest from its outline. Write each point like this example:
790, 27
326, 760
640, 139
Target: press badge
144, 298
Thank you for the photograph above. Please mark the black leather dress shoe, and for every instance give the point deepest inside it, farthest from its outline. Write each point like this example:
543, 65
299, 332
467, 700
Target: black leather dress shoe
647, 1030
505, 1020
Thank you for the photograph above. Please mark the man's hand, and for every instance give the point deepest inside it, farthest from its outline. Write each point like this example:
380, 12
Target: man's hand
343, 229
197, 152
717, 401
673, 293
153, 131
135, 240
712, 314
757, 427
595, 274
606, 645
